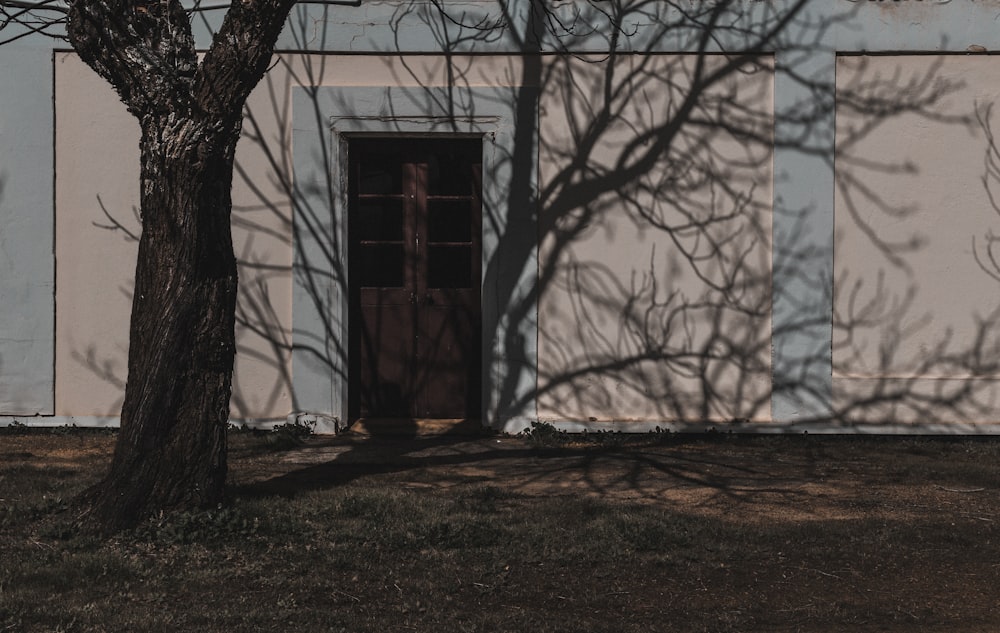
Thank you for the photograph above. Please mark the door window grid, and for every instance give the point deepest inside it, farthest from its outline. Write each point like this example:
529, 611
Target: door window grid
431, 199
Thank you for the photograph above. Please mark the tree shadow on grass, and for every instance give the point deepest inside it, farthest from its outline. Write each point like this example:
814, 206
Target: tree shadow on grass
615, 467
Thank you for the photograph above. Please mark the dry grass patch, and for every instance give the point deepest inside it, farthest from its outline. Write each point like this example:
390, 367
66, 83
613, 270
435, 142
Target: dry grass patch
502, 534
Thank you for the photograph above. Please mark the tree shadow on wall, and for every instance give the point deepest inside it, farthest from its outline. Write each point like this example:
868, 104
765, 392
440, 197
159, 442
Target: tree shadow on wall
634, 271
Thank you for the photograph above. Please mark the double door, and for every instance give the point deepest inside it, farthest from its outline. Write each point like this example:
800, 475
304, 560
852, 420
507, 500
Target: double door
415, 277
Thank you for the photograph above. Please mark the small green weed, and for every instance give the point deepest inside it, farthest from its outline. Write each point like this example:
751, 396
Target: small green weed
544, 434
287, 436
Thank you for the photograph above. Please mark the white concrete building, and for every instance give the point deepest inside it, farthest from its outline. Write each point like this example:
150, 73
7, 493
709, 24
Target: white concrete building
514, 217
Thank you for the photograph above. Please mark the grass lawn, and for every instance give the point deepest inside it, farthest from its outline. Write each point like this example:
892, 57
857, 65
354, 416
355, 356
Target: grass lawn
648, 533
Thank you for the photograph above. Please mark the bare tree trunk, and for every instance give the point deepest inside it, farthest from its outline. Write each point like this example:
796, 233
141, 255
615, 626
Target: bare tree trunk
172, 448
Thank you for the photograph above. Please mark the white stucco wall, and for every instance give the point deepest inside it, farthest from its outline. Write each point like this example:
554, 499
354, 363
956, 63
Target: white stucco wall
866, 324
97, 147
658, 303
97, 162
916, 316
27, 310
625, 321
620, 252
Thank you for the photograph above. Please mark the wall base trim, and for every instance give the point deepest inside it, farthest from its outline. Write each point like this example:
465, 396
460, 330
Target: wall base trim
330, 425
818, 427
319, 423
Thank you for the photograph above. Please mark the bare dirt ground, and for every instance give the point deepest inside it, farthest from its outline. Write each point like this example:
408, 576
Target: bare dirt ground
789, 533
879, 534
747, 479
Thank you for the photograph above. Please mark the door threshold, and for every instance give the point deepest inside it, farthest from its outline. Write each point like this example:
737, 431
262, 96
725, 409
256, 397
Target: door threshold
416, 427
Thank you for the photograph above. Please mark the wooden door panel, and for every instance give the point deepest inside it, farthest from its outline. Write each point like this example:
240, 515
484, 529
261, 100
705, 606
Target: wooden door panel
450, 360
415, 253
388, 352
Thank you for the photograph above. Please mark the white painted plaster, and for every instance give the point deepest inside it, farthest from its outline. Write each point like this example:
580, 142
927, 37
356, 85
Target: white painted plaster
97, 162
802, 183
416, 101
915, 313
638, 297
26, 263
802, 257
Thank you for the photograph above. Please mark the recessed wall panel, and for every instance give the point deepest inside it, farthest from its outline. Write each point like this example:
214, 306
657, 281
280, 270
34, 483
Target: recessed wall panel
655, 239
916, 323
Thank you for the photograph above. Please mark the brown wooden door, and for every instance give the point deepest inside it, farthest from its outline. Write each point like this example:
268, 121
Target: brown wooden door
415, 262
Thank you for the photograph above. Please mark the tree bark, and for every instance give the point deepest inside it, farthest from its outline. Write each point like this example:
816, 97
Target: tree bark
171, 452
172, 448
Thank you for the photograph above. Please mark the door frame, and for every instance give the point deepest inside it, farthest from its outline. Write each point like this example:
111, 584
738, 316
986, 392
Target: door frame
324, 119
